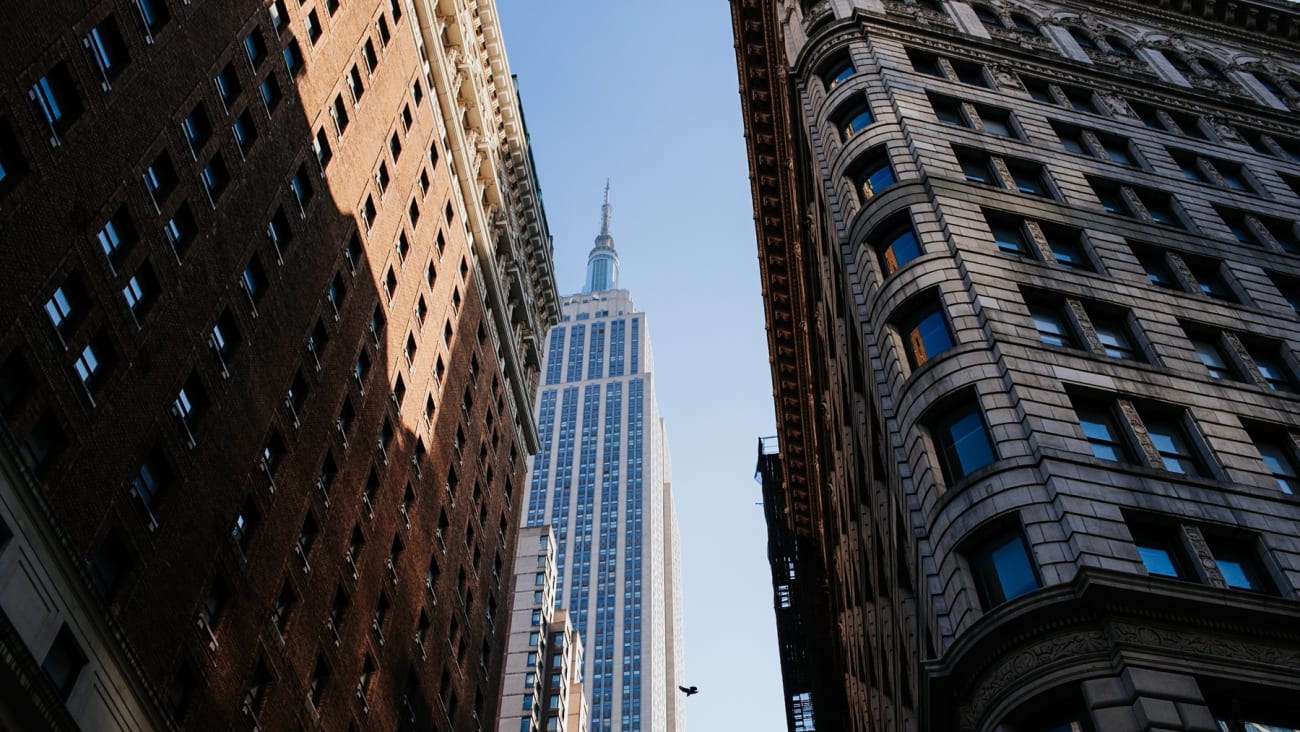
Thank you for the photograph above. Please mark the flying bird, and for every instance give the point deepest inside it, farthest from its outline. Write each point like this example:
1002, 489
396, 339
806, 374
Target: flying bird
689, 690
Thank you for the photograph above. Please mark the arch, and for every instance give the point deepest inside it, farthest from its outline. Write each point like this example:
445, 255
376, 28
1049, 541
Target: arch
988, 16
1119, 46
1083, 37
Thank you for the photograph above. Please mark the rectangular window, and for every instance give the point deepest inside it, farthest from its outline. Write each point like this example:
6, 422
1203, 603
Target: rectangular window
1239, 564
270, 93
215, 176
293, 60
321, 147
961, 439
339, 111
118, 236
255, 47
1052, 325
228, 86
1161, 552
1003, 569
197, 127
64, 661
873, 174
56, 98
108, 49
1115, 335
181, 229
140, 291
1102, 429
1271, 363
1171, 441
1213, 357
1277, 449
245, 132
160, 178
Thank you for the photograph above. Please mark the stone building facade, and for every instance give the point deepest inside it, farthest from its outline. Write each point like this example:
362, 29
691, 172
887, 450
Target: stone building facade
1032, 274
274, 280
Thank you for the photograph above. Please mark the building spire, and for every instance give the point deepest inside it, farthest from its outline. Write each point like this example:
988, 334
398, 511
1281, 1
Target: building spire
602, 262
605, 212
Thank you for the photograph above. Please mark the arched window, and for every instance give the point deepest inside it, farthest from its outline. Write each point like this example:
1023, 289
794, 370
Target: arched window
1178, 62
1212, 69
1083, 39
934, 5
1270, 84
988, 17
1119, 47
1024, 23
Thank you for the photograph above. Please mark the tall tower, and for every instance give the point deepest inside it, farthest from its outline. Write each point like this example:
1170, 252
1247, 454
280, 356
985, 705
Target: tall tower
270, 330
1032, 274
602, 481
602, 262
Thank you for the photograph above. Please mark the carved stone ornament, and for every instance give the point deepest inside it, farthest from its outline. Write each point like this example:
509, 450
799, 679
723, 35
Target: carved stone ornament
1117, 105
1021, 666
1179, 642
1005, 78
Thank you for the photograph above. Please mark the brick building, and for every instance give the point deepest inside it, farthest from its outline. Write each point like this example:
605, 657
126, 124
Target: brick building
274, 281
1032, 274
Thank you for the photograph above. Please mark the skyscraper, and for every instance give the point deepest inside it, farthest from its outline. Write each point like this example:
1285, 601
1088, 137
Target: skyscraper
274, 279
602, 480
1032, 273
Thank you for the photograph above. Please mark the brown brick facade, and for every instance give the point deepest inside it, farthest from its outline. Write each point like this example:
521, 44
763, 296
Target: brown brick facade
354, 416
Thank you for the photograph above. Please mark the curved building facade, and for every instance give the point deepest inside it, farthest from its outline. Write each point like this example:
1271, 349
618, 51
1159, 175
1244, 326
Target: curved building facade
1031, 275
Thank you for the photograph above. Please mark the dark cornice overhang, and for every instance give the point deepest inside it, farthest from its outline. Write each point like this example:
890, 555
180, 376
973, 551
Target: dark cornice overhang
1267, 22
761, 64
1073, 627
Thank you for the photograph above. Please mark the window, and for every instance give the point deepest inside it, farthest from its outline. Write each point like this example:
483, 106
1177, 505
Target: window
996, 121
1101, 429
56, 98
68, 305
1201, 169
1209, 277
1277, 449
1052, 324
141, 291
1076, 98
395, 147
254, 279
108, 49
270, 93
976, 167
382, 178
321, 147
1114, 334
339, 111
987, 17
302, 188
961, 439
93, 362
279, 16
369, 212
111, 561
311, 22
64, 661
1067, 248
1028, 178
255, 47
293, 60
1172, 444
1239, 564
1120, 48
355, 83
925, 331
948, 110
1270, 360
1008, 234
872, 173
1162, 552
154, 15
372, 60
224, 338
836, 71
215, 176
1159, 207
181, 229
852, 119
1002, 568
381, 26
160, 178
319, 677
245, 132
190, 402
197, 127
1178, 123
228, 86
1083, 39
1211, 353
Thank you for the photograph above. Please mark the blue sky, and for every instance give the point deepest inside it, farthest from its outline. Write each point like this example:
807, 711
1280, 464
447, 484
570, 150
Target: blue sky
645, 94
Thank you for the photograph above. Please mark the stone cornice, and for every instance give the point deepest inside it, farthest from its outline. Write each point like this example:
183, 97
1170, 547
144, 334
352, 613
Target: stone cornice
1087, 620
764, 96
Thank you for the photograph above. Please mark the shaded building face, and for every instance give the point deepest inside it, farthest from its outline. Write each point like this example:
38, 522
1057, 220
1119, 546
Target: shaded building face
1024, 440
261, 455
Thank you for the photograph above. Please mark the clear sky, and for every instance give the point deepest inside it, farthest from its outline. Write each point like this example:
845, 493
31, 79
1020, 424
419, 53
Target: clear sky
645, 94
